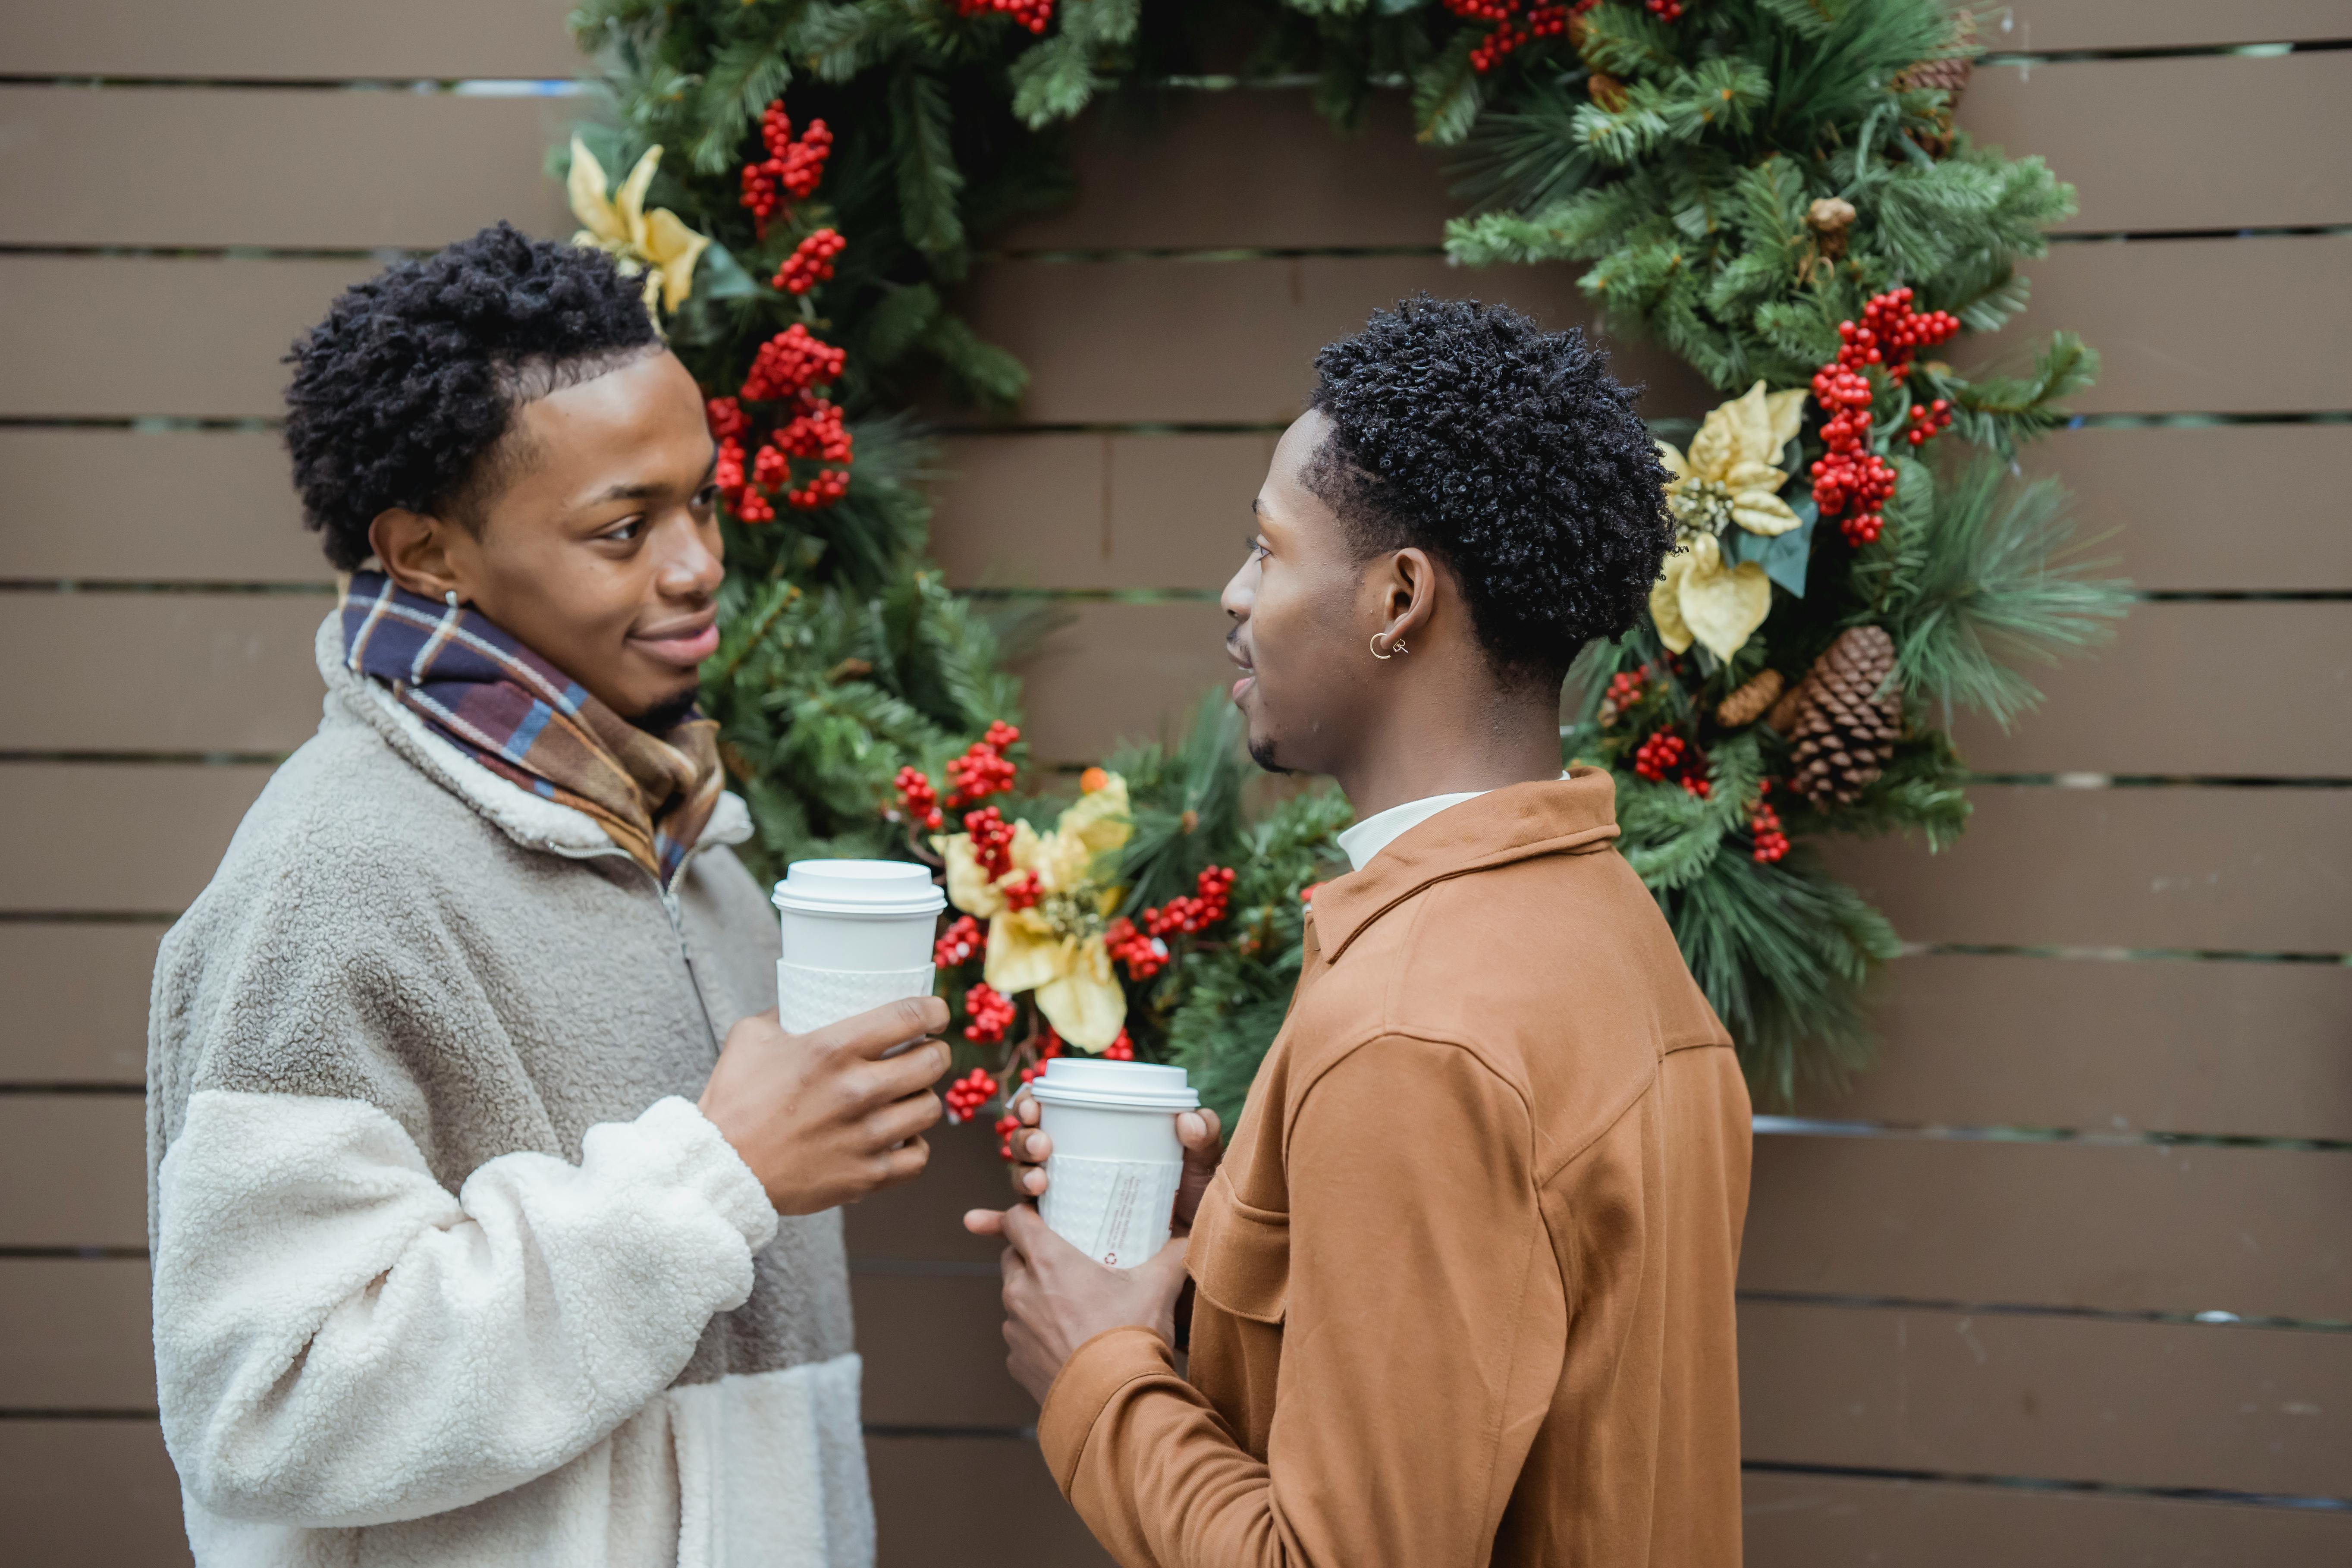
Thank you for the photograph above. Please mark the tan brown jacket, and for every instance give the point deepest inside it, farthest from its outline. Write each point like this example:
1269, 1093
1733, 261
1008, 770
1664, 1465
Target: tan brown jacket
1464, 1280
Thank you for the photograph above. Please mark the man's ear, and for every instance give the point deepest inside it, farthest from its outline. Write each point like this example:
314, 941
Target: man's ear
1409, 596
413, 548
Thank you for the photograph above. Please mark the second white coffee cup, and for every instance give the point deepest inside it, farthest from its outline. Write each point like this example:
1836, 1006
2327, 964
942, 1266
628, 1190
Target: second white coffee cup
856, 934
1110, 1183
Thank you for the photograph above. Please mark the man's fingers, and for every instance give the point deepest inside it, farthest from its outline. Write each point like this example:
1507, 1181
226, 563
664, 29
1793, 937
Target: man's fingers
903, 1164
984, 1222
1026, 1107
901, 1120
884, 1028
1198, 1130
1026, 1232
1033, 1147
878, 1083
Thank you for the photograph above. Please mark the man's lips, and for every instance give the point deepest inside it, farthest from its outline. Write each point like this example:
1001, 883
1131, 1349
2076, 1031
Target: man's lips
684, 646
1249, 670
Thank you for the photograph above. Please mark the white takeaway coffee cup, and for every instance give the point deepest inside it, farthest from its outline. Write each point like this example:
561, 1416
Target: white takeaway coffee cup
857, 935
1110, 1183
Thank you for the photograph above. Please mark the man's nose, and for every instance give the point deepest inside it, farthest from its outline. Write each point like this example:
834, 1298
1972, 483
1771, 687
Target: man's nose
690, 568
1241, 593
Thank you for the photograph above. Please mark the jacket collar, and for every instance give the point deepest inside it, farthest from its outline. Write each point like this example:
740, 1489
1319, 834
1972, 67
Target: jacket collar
1548, 816
530, 820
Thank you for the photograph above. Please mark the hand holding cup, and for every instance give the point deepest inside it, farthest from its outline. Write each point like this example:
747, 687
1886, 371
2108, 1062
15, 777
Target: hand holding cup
824, 1118
1201, 1132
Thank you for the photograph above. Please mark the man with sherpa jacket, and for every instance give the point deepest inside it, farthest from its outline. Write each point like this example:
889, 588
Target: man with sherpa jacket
493, 1219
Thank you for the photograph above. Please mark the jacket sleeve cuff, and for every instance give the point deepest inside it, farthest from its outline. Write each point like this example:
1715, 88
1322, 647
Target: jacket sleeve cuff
707, 1166
1086, 1385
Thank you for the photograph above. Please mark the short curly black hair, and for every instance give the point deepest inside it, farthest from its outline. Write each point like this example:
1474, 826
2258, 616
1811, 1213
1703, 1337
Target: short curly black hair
1511, 455
404, 395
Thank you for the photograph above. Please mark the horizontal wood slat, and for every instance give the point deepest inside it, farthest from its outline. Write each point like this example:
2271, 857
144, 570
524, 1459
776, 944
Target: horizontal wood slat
972, 1502
2215, 507
2244, 1049
234, 673
2116, 130
1846, 1521
304, 40
2258, 1232
73, 1170
1235, 341
1095, 512
2163, 699
120, 840
76, 1000
74, 1334
1169, 172
2214, 326
182, 166
1203, 341
1120, 672
2153, 1405
163, 672
934, 1351
86, 344
922, 1220
103, 1494
90, 1494
147, 506
2054, 24
2229, 868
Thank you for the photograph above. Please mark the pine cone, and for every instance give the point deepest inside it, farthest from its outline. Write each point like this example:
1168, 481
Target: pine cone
1746, 705
1605, 90
1846, 728
1948, 76
1785, 713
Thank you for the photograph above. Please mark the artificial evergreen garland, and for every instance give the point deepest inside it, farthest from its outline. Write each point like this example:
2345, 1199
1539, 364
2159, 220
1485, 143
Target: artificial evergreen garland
1773, 189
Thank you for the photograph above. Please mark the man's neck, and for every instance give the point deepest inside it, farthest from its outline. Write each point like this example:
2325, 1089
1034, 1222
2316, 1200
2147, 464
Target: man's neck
1412, 762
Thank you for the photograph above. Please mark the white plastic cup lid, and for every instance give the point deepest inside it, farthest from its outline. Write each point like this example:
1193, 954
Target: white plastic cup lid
1113, 1085
868, 890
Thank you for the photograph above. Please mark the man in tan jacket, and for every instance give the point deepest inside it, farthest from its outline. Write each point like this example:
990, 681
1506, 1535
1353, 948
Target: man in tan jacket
1461, 1290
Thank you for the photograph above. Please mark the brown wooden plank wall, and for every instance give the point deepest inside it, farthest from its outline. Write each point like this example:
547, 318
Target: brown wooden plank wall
2063, 1279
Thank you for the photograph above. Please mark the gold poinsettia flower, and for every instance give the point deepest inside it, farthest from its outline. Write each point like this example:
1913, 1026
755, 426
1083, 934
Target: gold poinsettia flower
1728, 475
1701, 599
1729, 478
658, 243
1052, 944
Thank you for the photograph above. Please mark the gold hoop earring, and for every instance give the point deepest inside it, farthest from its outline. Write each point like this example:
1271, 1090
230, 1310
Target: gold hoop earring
1376, 648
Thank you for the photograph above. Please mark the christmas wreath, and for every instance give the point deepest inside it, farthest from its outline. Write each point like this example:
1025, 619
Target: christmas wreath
1773, 189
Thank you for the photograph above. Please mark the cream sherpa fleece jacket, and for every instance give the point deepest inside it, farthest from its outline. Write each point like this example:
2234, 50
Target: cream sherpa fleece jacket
448, 1267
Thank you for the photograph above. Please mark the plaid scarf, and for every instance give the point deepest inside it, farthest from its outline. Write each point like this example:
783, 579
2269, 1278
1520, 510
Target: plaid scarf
526, 722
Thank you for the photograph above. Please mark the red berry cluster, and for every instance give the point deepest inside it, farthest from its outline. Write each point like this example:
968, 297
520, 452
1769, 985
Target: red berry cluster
1008, 1124
969, 1093
983, 770
992, 840
1121, 1050
815, 432
964, 938
917, 799
991, 1012
1850, 478
791, 167
1033, 14
1511, 28
1664, 10
789, 364
1666, 755
1764, 828
1022, 892
1928, 420
1144, 955
1193, 912
811, 262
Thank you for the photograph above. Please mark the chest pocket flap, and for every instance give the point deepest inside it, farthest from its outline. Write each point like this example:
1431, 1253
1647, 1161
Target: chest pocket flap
1240, 1256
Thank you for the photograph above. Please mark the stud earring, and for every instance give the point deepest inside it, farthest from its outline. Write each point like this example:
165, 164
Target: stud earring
1398, 648
450, 598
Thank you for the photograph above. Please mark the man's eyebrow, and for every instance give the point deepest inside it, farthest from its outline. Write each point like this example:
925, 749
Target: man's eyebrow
629, 492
